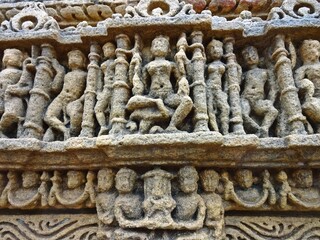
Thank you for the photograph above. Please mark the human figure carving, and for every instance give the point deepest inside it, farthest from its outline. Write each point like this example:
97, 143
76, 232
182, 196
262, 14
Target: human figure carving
247, 193
158, 203
105, 200
78, 191
254, 100
161, 105
9, 76
128, 205
33, 190
307, 79
299, 191
105, 93
214, 220
217, 98
69, 102
190, 211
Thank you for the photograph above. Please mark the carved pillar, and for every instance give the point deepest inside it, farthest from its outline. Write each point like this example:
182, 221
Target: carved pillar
233, 75
121, 88
199, 86
40, 94
289, 97
88, 129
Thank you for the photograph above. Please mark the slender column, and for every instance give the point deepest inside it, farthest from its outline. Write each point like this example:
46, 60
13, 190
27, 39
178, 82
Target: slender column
121, 86
233, 75
40, 94
290, 103
88, 128
199, 86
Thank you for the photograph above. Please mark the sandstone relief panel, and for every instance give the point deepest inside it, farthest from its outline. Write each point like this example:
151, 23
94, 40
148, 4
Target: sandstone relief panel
161, 204
159, 119
193, 85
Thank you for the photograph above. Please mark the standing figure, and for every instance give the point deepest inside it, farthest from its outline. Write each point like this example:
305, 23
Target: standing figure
47, 84
190, 211
254, 100
214, 220
104, 95
69, 103
161, 105
10, 75
105, 200
217, 98
307, 79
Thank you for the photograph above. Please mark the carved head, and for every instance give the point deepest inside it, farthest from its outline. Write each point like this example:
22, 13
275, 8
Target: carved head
303, 178
215, 49
105, 180
250, 55
188, 178
76, 59
12, 58
75, 179
109, 50
244, 178
30, 179
160, 46
209, 180
310, 51
125, 180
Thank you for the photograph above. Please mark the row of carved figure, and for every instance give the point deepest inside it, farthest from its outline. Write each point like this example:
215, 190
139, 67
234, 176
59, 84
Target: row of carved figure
161, 88
241, 188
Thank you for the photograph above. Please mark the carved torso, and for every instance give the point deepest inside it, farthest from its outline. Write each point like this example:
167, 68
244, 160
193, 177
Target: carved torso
160, 71
74, 85
131, 206
9, 77
187, 206
216, 70
255, 80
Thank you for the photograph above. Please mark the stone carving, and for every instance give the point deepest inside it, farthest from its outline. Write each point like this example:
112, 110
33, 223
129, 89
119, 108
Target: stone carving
10, 109
58, 226
104, 94
253, 97
69, 102
300, 191
271, 227
47, 83
79, 190
296, 9
33, 17
217, 98
160, 105
163, 8
247, 194
214, 219
307, 80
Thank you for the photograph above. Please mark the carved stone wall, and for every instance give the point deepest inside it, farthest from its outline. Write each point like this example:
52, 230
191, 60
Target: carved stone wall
160, 119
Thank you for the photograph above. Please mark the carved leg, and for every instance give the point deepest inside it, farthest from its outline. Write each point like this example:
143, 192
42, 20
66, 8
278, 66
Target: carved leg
211, 112
265, 107
181, 113
101, 106
246, 110
222, 103
51, 116
74, 111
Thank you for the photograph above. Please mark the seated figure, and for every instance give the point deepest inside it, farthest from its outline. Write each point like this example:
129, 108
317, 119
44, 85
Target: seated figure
161, 107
